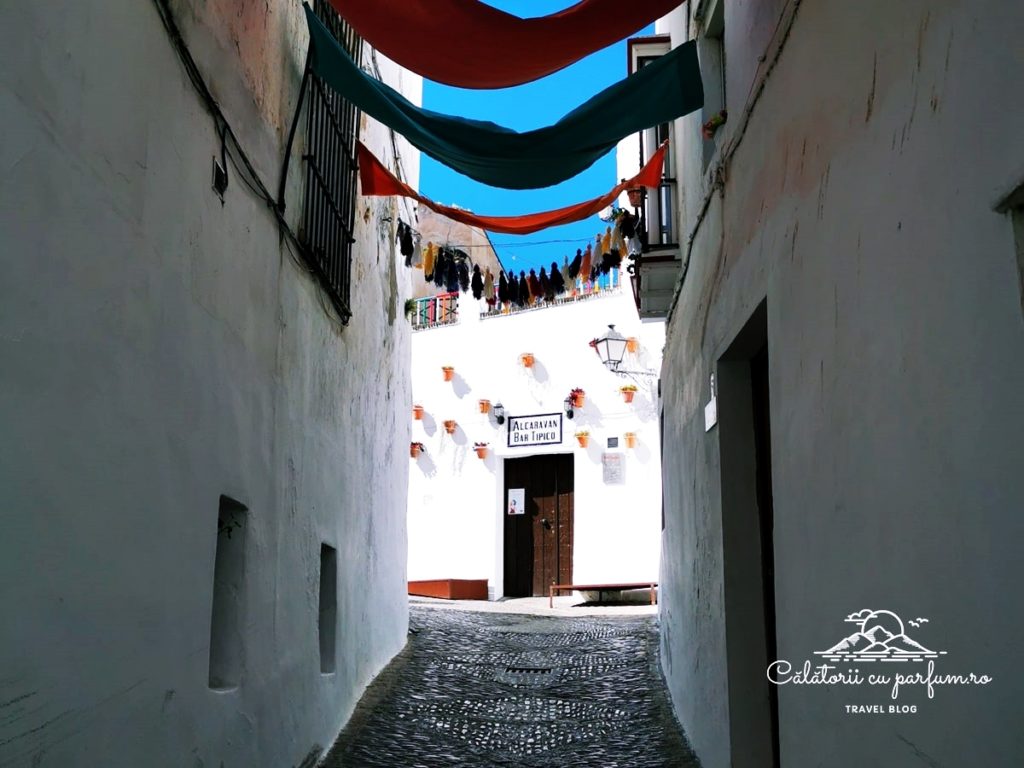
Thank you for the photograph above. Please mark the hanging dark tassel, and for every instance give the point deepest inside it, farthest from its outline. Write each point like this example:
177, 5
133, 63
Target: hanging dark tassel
441, 267
627, 224
477, 282
557, 282
503, 288
524, 289
546, 286
574, 267
451, 281
463, 275
535, 290
405, 242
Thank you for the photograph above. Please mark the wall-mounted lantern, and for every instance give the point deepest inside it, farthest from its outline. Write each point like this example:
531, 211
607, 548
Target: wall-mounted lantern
610, 348
499, 413
567, 406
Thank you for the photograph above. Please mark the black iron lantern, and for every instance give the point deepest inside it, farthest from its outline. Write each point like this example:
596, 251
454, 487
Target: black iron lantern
499, 413
567, 405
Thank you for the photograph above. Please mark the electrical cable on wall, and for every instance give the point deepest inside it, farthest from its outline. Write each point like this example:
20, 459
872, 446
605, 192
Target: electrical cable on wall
232, 148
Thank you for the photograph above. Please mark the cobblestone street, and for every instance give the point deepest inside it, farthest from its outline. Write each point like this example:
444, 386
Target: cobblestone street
484, 689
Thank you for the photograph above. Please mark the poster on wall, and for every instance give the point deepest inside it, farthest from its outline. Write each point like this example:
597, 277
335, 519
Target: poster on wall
614, 468
517, 501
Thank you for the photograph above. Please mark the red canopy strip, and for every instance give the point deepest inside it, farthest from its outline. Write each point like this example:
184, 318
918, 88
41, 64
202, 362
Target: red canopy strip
377, 180
469, 44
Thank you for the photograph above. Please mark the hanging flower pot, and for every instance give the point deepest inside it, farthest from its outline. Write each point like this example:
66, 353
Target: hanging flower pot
527, 359
630, 438
578, 397
448, 371
583, 437
417, 412
628, 392
449, 426
415, 449
632, 344
485, 406
481, 449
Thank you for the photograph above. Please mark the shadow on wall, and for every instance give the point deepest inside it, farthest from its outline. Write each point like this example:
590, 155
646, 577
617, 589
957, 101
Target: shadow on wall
426, 465
429, 424
538, 372
588, 417
459, 386
641, 452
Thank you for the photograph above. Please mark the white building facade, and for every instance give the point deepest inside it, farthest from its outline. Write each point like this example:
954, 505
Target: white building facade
592, 514
842, 381
202, 470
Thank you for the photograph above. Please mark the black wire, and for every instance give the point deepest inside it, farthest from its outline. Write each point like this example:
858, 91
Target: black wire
232, 147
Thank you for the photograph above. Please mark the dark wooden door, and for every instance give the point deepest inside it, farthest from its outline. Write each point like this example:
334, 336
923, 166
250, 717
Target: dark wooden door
538, 544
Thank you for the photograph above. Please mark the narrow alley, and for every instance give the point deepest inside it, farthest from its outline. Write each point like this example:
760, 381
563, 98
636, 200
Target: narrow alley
484, 689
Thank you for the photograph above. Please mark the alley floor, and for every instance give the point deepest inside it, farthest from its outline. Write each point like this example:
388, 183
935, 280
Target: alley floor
492, 689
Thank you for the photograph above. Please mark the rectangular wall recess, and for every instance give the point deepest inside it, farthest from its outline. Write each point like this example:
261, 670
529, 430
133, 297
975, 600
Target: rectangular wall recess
328, 617
226, 621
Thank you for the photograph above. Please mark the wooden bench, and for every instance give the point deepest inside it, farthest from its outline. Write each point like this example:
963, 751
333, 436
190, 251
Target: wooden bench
601, 588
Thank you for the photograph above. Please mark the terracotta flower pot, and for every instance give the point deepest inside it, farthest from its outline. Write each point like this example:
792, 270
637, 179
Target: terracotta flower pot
485, 406
583, 440
417, 412
632, 344
627, 395
449, 426
527, 359
449, 373
578, 400
630, 438
414, 449
481, 451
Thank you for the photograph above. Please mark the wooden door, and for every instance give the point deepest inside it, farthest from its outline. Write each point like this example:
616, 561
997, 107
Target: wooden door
538, 544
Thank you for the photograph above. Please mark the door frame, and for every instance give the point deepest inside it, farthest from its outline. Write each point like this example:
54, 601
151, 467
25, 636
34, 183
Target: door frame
498, 575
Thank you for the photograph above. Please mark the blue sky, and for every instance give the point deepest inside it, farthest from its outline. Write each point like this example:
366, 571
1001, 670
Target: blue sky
525, 107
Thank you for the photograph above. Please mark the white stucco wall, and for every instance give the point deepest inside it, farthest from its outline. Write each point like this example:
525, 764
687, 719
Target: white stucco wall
456, 509
159, 349
860, 206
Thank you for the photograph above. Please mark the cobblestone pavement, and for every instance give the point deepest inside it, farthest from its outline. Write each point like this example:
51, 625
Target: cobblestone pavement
475, 689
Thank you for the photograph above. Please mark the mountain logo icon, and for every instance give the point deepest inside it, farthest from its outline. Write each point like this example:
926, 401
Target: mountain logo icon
882, 637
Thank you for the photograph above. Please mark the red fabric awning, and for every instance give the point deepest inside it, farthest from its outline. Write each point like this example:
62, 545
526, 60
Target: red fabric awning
377, 180
469, 44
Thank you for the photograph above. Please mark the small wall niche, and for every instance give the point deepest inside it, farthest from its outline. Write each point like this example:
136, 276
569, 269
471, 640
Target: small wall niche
226, 621
328, 616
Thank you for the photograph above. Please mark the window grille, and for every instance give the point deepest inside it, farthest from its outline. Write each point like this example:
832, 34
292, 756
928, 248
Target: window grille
330, 205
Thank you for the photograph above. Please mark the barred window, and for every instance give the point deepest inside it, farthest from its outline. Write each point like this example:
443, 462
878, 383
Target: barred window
331, 133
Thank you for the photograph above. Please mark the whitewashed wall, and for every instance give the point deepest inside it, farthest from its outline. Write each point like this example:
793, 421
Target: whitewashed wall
861, 206
455, 499
159, 349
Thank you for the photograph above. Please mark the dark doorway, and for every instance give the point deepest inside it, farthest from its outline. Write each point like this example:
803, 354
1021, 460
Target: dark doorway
538, 543
748, 541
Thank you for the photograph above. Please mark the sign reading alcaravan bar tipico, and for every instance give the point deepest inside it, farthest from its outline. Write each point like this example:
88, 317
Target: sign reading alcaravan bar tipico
540, 429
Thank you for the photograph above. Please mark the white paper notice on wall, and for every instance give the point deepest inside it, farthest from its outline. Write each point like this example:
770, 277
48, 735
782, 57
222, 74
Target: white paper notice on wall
711, 409
711, 414
614, 468
517, 501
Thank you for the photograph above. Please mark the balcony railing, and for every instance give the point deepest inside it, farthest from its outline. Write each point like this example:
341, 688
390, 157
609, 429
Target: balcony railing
435, 311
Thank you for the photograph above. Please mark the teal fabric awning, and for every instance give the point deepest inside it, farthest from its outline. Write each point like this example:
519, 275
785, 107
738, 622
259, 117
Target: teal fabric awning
665, 89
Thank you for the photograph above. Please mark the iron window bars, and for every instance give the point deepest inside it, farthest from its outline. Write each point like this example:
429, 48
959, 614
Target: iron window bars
331, 172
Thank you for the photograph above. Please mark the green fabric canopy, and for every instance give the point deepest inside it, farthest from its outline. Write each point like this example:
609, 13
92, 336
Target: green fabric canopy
661, 91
